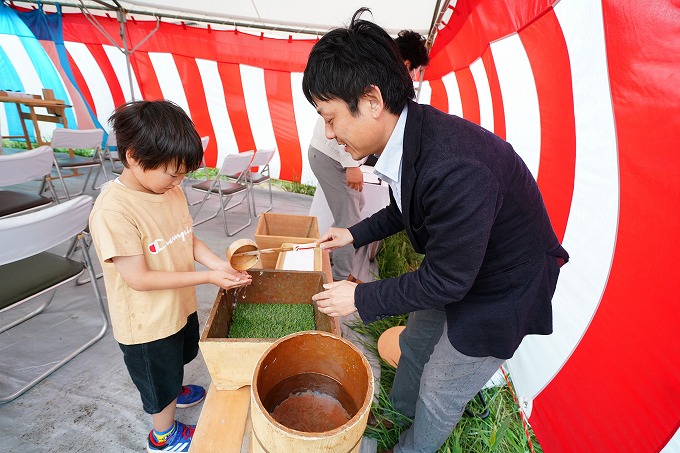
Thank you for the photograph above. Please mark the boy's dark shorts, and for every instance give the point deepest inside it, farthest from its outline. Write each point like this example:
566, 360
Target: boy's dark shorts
157, 368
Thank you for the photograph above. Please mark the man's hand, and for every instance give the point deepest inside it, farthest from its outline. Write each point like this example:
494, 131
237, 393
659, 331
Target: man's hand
337, 300
355, 178
334, 238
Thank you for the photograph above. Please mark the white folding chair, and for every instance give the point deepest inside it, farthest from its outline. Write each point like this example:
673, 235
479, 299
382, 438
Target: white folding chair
111, 154
261, 160
22, 167
27, 270
204, 142
234, 166
78, 139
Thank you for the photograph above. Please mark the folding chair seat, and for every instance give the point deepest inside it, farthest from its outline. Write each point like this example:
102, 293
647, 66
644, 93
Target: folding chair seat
27, 271
204, 142
234, 166
78, 139
23, 167
261, 160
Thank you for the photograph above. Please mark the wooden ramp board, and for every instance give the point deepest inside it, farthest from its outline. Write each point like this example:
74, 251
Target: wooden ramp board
222, 423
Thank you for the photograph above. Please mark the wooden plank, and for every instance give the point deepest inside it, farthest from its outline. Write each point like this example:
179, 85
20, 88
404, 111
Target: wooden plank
222, 423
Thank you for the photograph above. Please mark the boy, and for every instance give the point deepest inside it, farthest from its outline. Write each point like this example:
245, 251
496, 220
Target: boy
468, 203
142, 231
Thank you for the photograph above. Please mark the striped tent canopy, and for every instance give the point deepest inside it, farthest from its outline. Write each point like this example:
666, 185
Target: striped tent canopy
588, 92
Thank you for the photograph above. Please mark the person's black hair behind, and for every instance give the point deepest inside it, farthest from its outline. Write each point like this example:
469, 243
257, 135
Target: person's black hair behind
347, 61
158, 133
412, 48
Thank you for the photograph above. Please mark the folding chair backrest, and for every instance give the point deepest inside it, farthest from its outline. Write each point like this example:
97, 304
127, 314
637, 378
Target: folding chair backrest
111, 140
29, 234
72, 138
263, 157
25, 166
235, 164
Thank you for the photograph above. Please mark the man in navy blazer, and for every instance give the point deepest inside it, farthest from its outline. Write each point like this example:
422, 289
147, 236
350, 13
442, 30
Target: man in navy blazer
467, 202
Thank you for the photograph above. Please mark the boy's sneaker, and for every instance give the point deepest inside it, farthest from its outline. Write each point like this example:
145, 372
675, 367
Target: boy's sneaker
190, 395
180, 440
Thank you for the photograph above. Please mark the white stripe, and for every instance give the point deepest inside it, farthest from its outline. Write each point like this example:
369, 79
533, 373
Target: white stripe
95, 80
169, 79
305, 119
255, 96
217, 107
520, 101
673, 445
453, 94
483, 93
425, 95
18, 56
591, 231
117, 60
16, 52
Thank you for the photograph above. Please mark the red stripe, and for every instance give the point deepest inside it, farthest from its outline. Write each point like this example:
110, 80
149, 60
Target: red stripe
280, 100
620, 390
496, 96
439, 98
198, 106
83, 119
473, 25
549, 59
236, 105
468, 95
102, 59
148, 81
82, 84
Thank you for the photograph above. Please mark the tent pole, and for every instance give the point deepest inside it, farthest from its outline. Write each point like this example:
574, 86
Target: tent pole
121, 16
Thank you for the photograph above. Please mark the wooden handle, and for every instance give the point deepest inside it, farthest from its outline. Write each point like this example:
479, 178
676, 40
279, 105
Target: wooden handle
258, 252
292, 248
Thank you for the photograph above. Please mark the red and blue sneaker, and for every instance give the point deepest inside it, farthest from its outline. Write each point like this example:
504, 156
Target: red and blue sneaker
179, 439
190, 395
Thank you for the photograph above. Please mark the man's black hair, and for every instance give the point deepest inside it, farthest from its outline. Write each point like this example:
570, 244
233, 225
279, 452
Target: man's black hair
412, 48
346, 62
158, 133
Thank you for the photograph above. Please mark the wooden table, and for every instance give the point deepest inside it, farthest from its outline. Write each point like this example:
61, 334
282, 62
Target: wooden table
56, 112
223, 422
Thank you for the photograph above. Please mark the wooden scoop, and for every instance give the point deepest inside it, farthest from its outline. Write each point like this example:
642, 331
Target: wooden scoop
292, 248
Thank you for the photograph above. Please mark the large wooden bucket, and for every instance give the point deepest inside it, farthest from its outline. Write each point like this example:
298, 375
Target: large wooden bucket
319, 387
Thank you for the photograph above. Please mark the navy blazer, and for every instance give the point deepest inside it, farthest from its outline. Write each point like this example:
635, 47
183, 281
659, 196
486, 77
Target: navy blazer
473, 208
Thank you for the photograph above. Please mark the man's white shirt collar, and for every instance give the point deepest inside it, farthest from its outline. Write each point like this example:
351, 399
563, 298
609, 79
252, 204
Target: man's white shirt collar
388, 166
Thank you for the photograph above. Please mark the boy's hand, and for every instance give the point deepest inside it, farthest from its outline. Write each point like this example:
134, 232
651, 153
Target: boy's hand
227, 280
225, 266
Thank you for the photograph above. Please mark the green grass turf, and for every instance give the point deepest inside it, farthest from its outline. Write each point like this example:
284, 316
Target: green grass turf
270, 320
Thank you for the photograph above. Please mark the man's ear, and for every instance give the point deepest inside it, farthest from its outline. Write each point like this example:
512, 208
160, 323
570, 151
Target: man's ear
375, 99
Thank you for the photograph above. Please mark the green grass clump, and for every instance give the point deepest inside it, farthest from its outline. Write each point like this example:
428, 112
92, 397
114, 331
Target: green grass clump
270, 320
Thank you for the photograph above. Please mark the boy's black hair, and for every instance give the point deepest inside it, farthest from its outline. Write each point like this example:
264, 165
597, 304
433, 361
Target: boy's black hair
346, 62
412, 48
157, 133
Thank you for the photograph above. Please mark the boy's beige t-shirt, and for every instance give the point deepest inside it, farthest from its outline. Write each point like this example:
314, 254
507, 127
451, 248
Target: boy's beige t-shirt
126, 222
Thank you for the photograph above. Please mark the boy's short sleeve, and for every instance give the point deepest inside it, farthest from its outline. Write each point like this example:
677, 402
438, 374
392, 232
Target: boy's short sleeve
115, 234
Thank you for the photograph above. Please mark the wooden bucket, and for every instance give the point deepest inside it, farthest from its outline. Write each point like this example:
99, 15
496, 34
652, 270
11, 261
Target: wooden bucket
316, 382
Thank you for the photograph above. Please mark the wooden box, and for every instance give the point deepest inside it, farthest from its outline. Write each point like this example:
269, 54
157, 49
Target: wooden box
231, 361
275, 229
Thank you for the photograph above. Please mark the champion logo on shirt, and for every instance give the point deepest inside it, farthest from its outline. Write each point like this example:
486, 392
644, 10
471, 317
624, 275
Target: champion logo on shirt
160, 244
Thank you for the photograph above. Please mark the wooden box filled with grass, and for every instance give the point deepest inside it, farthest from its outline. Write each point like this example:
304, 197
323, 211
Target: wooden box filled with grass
244, 322
275, 229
